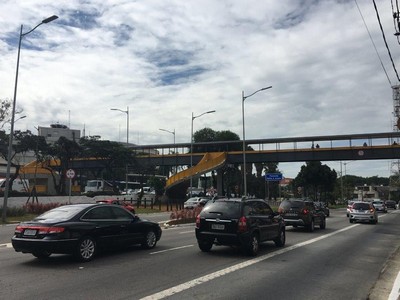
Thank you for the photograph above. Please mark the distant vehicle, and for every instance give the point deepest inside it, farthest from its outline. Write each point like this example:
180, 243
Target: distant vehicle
237, 222
19, 185
379, 205
98, 185
390, 204
349, 204
195, 202
123, 203
82, 230
322, 206
298, 212
363, 212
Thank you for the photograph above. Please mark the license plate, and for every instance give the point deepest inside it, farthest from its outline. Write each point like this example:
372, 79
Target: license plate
30, 232
291, 214
218, 226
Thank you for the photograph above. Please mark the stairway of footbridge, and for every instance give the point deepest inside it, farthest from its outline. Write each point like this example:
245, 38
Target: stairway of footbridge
368, 146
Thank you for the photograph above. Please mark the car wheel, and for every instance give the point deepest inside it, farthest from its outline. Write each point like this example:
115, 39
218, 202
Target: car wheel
322, 225
150, 240
41, 254
281, 239
205, 246
86, 249
311, 226
351, 220
252, 247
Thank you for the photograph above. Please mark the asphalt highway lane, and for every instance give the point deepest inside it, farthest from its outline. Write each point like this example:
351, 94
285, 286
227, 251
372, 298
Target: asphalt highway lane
344, 260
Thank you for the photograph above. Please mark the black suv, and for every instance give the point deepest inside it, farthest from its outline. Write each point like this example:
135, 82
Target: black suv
299, 212
237, 222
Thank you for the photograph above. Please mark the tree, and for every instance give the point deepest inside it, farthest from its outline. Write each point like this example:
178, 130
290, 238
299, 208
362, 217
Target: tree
317, 181
209, 135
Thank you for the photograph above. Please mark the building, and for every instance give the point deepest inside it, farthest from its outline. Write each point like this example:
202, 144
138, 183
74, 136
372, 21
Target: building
55, 131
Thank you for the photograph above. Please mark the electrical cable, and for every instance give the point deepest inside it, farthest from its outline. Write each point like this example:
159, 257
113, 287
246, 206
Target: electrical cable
384, 39
372, 41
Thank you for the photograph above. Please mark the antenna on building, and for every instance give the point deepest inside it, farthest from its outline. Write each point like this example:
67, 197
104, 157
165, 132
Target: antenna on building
69, 119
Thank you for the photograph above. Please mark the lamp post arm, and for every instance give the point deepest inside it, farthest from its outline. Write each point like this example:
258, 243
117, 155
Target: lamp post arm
263, 89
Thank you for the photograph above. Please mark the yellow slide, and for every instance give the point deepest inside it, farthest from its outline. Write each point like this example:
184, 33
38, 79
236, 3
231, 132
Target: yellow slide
209, 162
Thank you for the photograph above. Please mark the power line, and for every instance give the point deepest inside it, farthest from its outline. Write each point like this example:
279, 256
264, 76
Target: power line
372, 41
384, 39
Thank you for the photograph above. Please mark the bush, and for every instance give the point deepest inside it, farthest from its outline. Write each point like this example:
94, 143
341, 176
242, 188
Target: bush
14, 211
39, 208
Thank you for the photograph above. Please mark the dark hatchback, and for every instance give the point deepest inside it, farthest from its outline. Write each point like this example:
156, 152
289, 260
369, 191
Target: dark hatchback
237, 222
82, 230
299, 212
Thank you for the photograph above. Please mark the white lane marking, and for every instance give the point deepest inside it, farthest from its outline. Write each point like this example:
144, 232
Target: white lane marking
183, 232
172, 249
192, 283
8, 245
395, 293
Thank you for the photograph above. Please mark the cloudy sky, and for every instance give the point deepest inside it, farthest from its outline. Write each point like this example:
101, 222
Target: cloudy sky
167, 59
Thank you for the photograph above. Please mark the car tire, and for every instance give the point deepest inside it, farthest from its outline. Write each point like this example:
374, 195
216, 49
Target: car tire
86, 249
41, 254
281, 239
322, 225
252, 247
150, 240
205, 246
311, 226
351, 220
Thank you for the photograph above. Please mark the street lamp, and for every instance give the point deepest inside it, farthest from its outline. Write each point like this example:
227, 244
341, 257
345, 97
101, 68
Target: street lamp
172, 132
10, 141
191, 145
127, 121
244, 138
127, 140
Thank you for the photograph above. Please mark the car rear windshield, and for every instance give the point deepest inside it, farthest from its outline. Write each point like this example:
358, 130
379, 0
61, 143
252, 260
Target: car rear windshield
226, 209
361, 206
287, 204
60, 213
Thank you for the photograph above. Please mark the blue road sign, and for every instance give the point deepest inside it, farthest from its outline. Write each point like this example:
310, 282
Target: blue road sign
273, 176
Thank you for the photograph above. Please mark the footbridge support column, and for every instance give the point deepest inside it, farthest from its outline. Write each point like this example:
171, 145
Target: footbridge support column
220, 183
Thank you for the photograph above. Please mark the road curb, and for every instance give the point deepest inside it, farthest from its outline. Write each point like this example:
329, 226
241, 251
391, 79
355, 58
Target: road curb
387, 285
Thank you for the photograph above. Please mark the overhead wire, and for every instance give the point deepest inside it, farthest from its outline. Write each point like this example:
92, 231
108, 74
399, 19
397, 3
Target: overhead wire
384, 39
396, 20
372, 41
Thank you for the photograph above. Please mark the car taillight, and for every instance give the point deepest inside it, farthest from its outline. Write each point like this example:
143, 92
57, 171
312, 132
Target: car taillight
242, 224
19, 229
52, 230
198, 221
40, 229
305, 211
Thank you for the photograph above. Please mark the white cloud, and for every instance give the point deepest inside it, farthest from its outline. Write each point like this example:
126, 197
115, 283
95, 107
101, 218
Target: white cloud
167, 59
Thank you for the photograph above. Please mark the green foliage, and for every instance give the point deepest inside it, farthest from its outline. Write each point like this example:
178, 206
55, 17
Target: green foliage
210, 135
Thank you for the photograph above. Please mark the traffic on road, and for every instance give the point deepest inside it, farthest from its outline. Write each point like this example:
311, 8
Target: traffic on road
343, 260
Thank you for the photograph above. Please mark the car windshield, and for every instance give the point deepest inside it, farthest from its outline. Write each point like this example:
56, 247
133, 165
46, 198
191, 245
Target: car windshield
60, 213
361, 206
287, 204
226, 209
377, 202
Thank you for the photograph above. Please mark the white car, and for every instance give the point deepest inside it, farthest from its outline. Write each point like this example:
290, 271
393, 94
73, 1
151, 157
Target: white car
195, 202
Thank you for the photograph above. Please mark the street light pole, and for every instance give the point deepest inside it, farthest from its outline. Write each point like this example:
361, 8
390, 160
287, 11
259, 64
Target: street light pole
191, 146
10, 140
127, 140
172, 132
244, 138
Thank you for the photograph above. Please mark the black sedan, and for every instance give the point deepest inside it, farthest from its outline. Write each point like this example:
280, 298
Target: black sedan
82, 230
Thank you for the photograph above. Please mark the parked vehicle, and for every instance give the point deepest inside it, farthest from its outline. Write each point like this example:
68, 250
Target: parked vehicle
123, 203
98, 185
379, 205
82, 230
363, 212
390, 204
322, 206
18, 185
299, 212
241, 223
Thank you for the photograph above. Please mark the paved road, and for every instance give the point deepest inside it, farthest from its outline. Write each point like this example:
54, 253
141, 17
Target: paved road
344, 261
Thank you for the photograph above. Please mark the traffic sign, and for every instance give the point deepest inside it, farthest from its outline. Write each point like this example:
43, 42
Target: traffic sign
70, 174
273, 176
